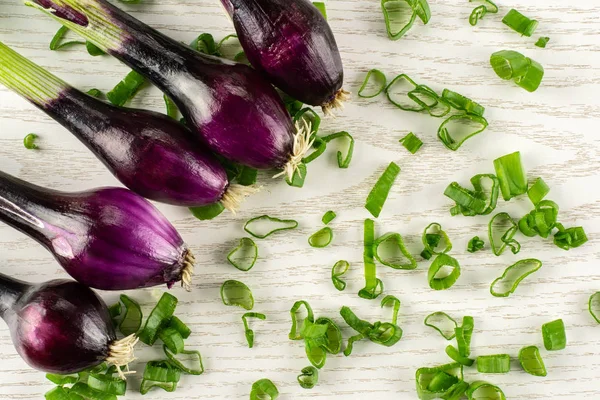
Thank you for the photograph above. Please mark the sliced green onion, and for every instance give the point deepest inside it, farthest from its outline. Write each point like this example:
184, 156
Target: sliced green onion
513, 275
56, 42
280, 225
376, 79
321, 7
464, 198
507, 235
343, 162
483, 390
592, 304
94, 50
478, 13
538, 191
403, 260
292, 105
381, 190
494, 364
172, 339
236, 293
454, 354
429, 100
509, 64
491, 7
540, 221
192, 356
463, 103
421, 7
244, 255
390, 18
29, 141
315, 353
389, 299
531, 361
532, 79
308, 378
339, 269
411, 143
87, 392
107, 384
172, 110
299, 176
61, 393
249, 332
132, 320
205, 43
520, 23
570, 238
247, 176
464, 333
95, 93
542, 42
333, 335
443, 323
443, 282
384, 334
158, 318
115, 310
453, 141
180, 327
554, 335
475, 245
373, 285
61, 380
208, 212
160, 374
126, 89
321, 238
432, 240
328, 217
444, 381
394, 84
146, 385
295, 331
264, 389
492, 198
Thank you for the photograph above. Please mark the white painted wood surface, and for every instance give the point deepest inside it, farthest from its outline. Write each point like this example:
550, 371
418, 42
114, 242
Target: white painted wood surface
556, 129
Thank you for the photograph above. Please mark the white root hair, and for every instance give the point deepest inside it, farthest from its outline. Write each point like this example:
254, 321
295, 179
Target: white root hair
302, 144
121, 354
188, 270
337, 103
235, 195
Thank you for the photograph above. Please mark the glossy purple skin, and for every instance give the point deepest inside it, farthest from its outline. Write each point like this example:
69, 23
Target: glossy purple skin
59, 326
150, 153
108, 238
291, 43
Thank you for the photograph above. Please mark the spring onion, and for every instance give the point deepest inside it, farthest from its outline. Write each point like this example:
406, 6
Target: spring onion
411, 143
29, 141
453, 140
403, 260
236, 293
454, 354
438, 278
542, 42
462, 103
86, 392
389, 299
264, 389
280, 225
465, 199
126, 89
570, 238
499, 221
309, 377
322, 238
593, 305
192, 357
475, 245
464, 333
247, 331
483, 390
555, 337
244, 255
339, 269
343, 161
444, 381
531, 361
328, 217
158, 318
132, 320
381, 190
494, 364
479, 191
443, 323
332, 341
520, 23
375, 80
115, 312
373, 285
537, 191
432, 240
526, 72
160, 374
505, 285
390, 16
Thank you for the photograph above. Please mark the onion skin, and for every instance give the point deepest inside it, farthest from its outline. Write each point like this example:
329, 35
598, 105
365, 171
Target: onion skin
59, 326
291, 43
108, 238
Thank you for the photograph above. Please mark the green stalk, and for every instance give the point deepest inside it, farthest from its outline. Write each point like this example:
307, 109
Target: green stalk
28, 79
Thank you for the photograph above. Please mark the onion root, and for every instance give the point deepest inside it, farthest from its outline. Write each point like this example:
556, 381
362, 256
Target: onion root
337, 103
188, 271
235, 195
302, 144
121, 353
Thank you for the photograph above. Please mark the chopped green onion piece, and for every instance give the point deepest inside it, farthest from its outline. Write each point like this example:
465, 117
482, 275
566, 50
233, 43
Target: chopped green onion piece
192, 356
443, 282
507, 235
328, 217
444, 381
454, 354
421, 7
247, 331
463, 103
491, 7
554, 335
146, 385
126, 89
280, 225
373, 285
61, 393
453, 141
393, 98
295, 332
62, 379
381, 190
55, 43
298, 178
333, 336
308, 378
132, 320
29, 141
532, 79
87, 392
320, 145
230, 51
475, 245
236, 293
205, 43
160, 374
509, 64
321, 7
107, 384
464, 333
262, 389
339, 269
292, 105
465, 198
476, 181
478, 13
531, 361
570, 238
172, 110
315, 353
395, 303
172, 339
542, 42
440, 321
391, 15
480, 390
411, 143
385, 334
343, 162
374, 78
403, 260
244, 255
540, 221
208, 212
95, 93
494, 364
94, 50
247, 176
538, 191
512, 277
429, 100
158, 318
180, 327
432, 240
592, 304
520, 23
321, 238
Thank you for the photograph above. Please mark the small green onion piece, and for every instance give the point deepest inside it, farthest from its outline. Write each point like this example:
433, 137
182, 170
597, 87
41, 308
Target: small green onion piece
444, 381
29, 141
107, 384
321, 238
390, 16
513, 275
115, 310
373, 285
480, 390
94, 50
61, 380
158, 318
244, 255
394, 84
478, 13
247, 176
395, 303
292, 105
570, 238
298, 178
492, 198
454, 354
429, 100
441, 322
592, 304
411, 143
132, 320
146, 385
507, 235
454, 141
339, 269
280, 225
540, 221
446, 281
180, 327
494, 364
247, 331
160, 374
236, 293
328, 217
381, 190
403, 260
343, 162
172, 339
61, 393
520, 23
55, 43
554, 335
295, 332
172, 110
95, 93
421, 7
538, 191
126, 89
375, 79
475, 245
308, 378
509, 64
531, 361
464, 333
332, 343
432, 240
542, 42
362, 327
532, 79
491, 7
264, 389
208, 212
193, 357
310, 117
465, 198
385, 334
315, 353
87, 392
205, 43
321, 7
463, 103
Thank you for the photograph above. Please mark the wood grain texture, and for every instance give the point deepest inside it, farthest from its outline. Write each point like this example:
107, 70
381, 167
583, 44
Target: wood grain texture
554, 128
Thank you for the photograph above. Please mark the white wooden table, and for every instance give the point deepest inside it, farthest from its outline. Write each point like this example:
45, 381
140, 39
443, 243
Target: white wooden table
556, 129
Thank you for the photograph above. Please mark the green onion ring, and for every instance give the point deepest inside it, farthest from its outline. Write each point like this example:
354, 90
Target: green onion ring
388, 93
429, 249
321, 238
297, 181
396, 239
536, 265
244, 244
465, 198
309, 377
464, 333
288, 224
388, 22
379, 194
236, 293
531, 361
295, 331
29, 141
447, 139
378, 76
339, 269
443, 260
475, 245
520, 23
158, 318
263, 388
107, 384
542, 42
180, 327
343, 162
249, 333
333, 336
494, 191
196, 358
430, 386
477, 385
373, 285
554, 335
395, 303
172, 339
493, 364
478, 13
328, 217
538, 191
454, 354
462, 103
437, 326
595, 296
411, 143
507, 236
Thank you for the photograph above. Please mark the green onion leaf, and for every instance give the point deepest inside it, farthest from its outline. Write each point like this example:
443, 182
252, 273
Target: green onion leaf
509, 64
107, 384
236, 293
328, 217
531, 361
95, 93
55, 43
339, 269
411, 143
538, 191
463, 103
463, 127
258, 226
299, 176
29, 141
373, 85
438, 276
395, 303
343, 162
443, 323
208, 212
394, 91
381, 190
393, 13
570, 238
132, 320
172, 110
292, 105
321, 238
454, 354
94, 50
444, 381
161, 374
520, 23
333, 336
477, 13
373, 285
542, 42
385, 334
464, 198
87, 392
172, 339
180, 327
494, 364
247, 176
308, 378
475, 245
392, 244
593, 304
321, 7
247, 331
464, 333
61, 380
491, 7
205, 43
264, 389
193, 358
511, 174
532, 79
244, 256
429, 100
421, 7
554, 335
158, 318
500, 221
61, 393
432, 240
295, 332
126, 89
505, 285
483, 390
